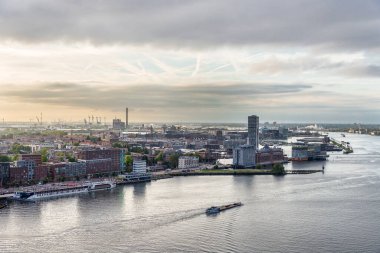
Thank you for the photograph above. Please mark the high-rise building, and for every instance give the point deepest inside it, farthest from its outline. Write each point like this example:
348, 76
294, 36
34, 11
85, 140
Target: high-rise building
126, 117
253, 131
245, 155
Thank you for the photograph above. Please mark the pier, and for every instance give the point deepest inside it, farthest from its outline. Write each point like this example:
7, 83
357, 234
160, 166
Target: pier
241, 172
347, 149
5, 196
302, 171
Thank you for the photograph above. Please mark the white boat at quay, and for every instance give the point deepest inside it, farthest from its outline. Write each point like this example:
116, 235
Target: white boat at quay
50, 192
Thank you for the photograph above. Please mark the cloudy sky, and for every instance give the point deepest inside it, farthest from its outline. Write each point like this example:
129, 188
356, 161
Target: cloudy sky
203, 61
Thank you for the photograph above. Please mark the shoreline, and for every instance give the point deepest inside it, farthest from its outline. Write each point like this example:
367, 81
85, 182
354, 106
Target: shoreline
241, 172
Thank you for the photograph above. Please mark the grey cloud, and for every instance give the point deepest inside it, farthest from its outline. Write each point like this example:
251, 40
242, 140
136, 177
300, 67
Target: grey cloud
352, 24
147, 96
363, 71
275, 65
315, 64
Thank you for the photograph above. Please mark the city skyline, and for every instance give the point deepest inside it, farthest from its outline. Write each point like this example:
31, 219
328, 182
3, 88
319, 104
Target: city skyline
170, 61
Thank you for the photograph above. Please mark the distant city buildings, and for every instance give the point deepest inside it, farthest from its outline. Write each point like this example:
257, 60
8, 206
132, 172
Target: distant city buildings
309, 151
186, 162
126, 117
274, 133
245, 155
117, 124
249, 155
96, 151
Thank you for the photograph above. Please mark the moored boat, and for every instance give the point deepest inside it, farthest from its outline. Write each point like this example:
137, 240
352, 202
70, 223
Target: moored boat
101, 185
48, 193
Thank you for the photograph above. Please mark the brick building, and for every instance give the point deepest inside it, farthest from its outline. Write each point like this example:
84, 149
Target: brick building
18, 174
4, 173
40, 173
32, 157
268, 156
116, 156
99, 166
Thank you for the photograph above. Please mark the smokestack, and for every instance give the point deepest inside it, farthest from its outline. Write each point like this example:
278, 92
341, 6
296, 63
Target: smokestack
126, 117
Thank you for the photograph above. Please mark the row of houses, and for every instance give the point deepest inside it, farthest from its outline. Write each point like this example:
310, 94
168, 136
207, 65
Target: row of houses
91, 162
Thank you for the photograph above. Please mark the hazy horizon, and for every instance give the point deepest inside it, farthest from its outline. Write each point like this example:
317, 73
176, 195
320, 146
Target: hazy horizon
194, 61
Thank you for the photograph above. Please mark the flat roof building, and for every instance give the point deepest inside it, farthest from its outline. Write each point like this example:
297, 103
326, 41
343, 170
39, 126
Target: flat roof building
139, 166
186, 162
244, 156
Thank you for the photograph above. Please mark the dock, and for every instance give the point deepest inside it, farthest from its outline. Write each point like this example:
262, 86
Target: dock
302, 171
6, 196
241, 172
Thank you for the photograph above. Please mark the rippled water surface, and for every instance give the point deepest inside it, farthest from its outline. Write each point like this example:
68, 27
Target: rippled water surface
338, 211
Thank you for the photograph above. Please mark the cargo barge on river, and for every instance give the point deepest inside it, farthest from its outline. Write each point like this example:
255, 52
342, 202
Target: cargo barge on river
218, 209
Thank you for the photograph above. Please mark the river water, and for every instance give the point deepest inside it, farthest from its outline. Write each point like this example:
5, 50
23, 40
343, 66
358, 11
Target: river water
338, 211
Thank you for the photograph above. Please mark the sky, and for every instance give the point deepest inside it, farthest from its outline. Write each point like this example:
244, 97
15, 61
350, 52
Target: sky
190, 61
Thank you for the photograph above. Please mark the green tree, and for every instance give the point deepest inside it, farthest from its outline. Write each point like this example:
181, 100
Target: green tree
159, 157
117, 145
44, 155
17, 148
173, 160
128, 160
71, 159
139, 150
15, 157
4, 158
278, 169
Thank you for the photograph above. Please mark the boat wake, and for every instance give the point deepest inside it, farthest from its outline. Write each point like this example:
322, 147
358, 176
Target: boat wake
144, 223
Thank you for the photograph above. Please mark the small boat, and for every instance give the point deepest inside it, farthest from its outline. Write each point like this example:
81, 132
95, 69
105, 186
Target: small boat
218, 209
